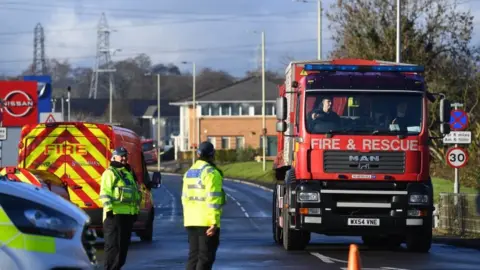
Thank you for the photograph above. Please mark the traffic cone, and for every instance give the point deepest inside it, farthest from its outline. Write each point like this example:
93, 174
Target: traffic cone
354, 258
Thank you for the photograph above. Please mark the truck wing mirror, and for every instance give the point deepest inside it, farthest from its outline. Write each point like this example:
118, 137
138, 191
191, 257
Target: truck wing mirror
281, 108
281, 126
445, 112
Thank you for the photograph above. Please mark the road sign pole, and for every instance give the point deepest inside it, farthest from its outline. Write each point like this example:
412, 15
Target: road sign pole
456, 186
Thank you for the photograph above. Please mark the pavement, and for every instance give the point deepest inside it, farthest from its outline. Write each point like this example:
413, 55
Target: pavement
247, 243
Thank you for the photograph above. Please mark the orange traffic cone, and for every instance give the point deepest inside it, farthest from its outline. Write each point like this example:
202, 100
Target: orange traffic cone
354, 258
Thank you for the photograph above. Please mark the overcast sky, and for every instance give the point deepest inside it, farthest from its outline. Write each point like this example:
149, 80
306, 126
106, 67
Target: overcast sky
221, 34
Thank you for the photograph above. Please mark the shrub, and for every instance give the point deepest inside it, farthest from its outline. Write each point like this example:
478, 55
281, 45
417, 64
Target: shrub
245, 154
227, 155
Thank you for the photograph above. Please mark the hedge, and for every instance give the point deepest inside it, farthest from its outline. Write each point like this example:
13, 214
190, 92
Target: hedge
227, 155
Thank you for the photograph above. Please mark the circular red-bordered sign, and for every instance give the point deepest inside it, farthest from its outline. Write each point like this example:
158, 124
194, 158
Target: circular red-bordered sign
457, 157
18, 104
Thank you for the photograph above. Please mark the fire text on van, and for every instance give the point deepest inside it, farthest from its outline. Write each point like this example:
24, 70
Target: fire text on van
65, 149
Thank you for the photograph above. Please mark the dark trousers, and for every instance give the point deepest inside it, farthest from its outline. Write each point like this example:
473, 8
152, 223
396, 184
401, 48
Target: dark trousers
203, 248
117, 230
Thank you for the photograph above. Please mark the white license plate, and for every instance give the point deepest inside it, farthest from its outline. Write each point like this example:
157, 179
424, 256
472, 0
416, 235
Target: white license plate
363, 222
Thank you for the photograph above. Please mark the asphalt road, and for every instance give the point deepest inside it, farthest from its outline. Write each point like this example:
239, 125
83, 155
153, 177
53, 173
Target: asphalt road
246, 240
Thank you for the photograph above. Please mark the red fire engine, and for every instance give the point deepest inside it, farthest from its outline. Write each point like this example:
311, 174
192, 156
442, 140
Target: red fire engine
353, 156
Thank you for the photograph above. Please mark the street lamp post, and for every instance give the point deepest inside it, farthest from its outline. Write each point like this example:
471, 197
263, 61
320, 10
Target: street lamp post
158, 119
195, 137
319, 29
319, 26
69, 98
264, 124
158, 122
111, 72
398, 32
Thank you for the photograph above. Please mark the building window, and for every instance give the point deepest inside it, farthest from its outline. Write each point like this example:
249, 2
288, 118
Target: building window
215, 109
269, 109
244, 109
211, 140
205, 109
225, 109
239, 142
236, 109
225, 143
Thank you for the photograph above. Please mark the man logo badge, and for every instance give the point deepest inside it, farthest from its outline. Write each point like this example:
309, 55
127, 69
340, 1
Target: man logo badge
364, 166
364, 158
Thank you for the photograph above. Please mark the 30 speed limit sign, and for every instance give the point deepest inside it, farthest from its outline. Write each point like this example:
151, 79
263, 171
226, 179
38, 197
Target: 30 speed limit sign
457, 157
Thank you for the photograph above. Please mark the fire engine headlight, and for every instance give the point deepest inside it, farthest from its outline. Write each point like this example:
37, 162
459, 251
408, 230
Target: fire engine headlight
33, 218
418, 198
308, 196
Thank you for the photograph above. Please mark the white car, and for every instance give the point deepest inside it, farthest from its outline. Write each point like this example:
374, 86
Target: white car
41, 230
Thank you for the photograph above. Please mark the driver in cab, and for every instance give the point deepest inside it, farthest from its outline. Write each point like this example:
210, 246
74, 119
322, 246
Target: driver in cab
325, 112
323, 118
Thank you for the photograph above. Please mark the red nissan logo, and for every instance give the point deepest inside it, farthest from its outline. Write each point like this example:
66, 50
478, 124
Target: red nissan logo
18, 103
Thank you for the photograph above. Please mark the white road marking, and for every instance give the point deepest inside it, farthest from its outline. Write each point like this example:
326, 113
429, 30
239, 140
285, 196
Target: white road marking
261, 212
230, 189
173, 205
324, 259
239, 205
327, 259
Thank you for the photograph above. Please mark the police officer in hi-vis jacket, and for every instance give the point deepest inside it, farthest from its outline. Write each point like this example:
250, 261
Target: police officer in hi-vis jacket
202, 200
120, 197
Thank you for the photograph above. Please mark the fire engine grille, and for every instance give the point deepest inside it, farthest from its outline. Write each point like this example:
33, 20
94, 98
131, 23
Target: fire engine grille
356, 162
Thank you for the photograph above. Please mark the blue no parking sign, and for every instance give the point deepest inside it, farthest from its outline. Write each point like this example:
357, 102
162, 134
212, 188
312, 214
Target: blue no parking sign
458, 120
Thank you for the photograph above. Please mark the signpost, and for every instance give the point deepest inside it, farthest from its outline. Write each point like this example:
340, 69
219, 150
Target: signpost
458, 118
50, 117
458, 137
457, 157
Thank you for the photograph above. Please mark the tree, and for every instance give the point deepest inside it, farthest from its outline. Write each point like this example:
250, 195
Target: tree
434, 33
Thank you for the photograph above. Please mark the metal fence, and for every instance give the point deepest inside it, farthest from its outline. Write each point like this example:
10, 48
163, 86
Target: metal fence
457, 214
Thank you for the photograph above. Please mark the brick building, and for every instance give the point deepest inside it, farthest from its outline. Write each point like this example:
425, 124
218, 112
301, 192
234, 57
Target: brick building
230, 117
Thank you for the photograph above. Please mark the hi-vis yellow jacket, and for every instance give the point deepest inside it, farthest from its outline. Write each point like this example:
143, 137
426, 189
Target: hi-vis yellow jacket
119, 192
202, 195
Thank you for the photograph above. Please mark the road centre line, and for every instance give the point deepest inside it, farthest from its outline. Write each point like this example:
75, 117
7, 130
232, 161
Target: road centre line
239, 205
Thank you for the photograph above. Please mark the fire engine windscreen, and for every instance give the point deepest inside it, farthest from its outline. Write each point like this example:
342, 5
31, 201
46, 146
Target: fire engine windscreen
370, 112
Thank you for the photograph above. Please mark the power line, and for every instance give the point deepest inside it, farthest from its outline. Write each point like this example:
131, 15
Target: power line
250, 17
156, 12
187, 50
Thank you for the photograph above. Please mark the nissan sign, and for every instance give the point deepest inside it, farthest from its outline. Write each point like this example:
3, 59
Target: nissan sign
19, 103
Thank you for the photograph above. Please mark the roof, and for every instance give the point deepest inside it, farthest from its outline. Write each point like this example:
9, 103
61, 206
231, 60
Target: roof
137, 107
248, 89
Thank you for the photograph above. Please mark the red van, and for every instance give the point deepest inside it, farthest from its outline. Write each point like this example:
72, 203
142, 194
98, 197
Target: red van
78, 153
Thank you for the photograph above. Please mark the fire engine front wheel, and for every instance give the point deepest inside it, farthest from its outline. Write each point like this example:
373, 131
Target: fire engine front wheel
293, 239
277, 230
